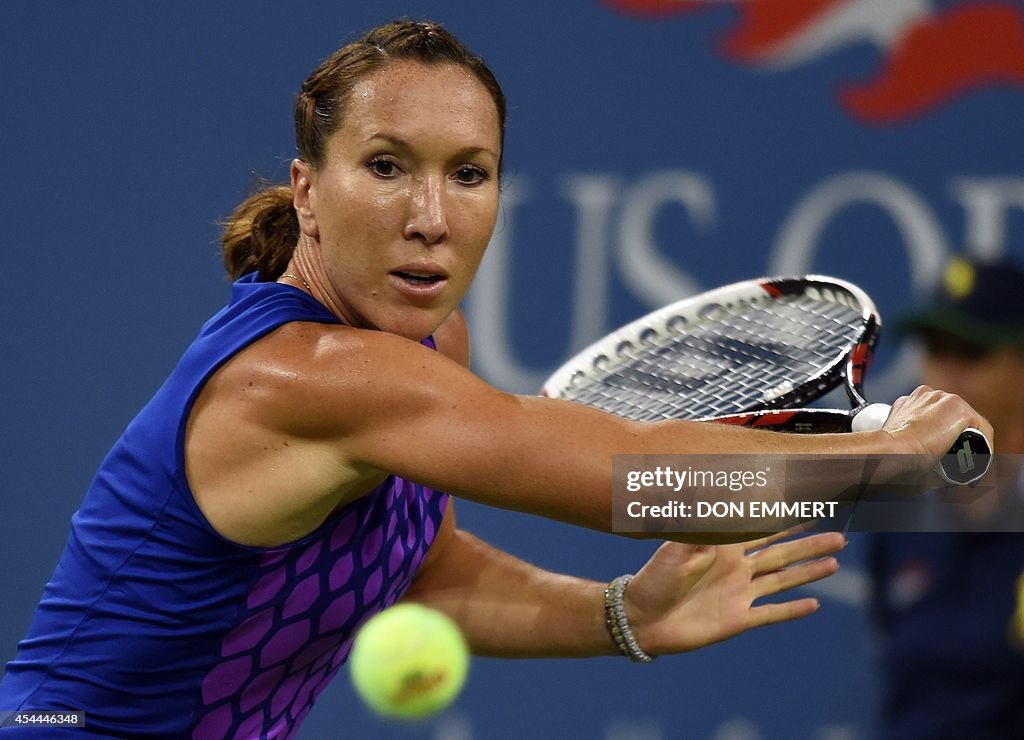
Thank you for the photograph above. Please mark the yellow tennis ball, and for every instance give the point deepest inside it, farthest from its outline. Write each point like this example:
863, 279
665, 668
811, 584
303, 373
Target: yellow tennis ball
409, 662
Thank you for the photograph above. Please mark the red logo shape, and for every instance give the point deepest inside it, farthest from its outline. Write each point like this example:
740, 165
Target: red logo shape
929, 57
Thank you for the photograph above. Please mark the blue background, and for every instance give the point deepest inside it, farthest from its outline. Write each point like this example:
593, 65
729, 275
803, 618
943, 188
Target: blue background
130, 129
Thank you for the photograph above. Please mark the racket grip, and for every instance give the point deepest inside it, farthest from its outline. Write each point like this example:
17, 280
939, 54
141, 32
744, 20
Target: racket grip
964, 465
967, 460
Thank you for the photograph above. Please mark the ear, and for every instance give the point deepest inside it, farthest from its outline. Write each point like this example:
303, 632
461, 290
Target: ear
303, 198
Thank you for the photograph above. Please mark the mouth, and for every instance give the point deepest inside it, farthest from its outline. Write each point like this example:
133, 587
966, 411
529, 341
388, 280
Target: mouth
420, 281
418, 278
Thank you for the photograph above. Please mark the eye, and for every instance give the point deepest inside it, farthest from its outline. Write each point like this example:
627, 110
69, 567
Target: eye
471, 175
384, 167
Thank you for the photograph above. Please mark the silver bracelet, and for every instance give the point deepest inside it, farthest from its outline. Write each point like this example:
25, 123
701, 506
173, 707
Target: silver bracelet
618, 625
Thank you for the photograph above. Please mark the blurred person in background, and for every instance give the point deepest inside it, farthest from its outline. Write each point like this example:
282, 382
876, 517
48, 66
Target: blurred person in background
950, 605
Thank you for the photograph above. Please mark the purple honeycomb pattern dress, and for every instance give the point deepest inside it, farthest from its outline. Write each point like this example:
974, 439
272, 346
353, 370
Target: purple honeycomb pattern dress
155, 625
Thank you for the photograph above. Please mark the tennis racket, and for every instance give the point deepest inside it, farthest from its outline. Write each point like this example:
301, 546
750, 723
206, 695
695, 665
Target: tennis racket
753, 353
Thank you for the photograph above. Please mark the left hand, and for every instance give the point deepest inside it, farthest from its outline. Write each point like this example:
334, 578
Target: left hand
688, 596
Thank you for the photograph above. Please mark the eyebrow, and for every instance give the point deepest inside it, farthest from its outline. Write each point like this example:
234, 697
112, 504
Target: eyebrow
400, 143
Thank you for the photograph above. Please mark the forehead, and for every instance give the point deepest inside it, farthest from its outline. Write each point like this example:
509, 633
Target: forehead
411, 100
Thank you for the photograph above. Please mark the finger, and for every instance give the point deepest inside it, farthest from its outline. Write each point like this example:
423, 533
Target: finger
786, 554
786, 611
798, 575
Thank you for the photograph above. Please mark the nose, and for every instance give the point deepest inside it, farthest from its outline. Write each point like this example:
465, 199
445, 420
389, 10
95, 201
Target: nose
427, 220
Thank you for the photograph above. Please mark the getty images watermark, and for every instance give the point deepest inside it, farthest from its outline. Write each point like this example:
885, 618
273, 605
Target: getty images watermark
714, 482
760, 493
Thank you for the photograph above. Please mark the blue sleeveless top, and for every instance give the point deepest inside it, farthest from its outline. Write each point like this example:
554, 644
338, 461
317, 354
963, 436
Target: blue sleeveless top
154, 624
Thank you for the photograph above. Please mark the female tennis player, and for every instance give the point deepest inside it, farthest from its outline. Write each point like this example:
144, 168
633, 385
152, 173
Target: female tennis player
285, 483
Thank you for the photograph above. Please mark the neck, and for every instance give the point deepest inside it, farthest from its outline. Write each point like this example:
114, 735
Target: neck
307, 266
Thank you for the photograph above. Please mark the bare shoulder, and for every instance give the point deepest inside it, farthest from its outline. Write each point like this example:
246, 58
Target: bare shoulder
268, 444
322, 380
366, 371
311, 379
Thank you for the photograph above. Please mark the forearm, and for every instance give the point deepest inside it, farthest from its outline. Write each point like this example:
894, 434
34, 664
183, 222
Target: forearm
512, 452
509, 608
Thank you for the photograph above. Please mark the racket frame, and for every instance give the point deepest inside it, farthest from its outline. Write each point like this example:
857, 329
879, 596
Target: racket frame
848, 367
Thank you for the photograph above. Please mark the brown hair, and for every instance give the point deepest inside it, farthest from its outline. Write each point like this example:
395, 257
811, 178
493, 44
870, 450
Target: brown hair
261, 234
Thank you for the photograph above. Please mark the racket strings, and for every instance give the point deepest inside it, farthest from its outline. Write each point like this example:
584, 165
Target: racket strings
726, 364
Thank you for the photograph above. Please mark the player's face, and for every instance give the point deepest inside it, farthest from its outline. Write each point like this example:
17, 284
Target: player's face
406, 200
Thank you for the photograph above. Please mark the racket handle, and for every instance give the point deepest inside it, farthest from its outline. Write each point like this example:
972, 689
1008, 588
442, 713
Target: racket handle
967, 460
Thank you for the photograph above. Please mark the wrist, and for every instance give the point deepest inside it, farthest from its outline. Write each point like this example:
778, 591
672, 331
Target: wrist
617, 621
905, 457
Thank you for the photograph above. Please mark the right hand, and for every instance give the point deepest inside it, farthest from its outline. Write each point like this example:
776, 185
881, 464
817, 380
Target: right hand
926, 423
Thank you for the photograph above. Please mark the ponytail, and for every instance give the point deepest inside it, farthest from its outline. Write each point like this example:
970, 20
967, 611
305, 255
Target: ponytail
261, 234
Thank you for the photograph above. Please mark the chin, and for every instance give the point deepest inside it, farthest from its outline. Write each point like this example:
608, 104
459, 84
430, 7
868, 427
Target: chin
416, 325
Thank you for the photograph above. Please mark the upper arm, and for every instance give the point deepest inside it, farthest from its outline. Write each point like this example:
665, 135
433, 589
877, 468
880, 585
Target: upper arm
313, 416
392, 405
